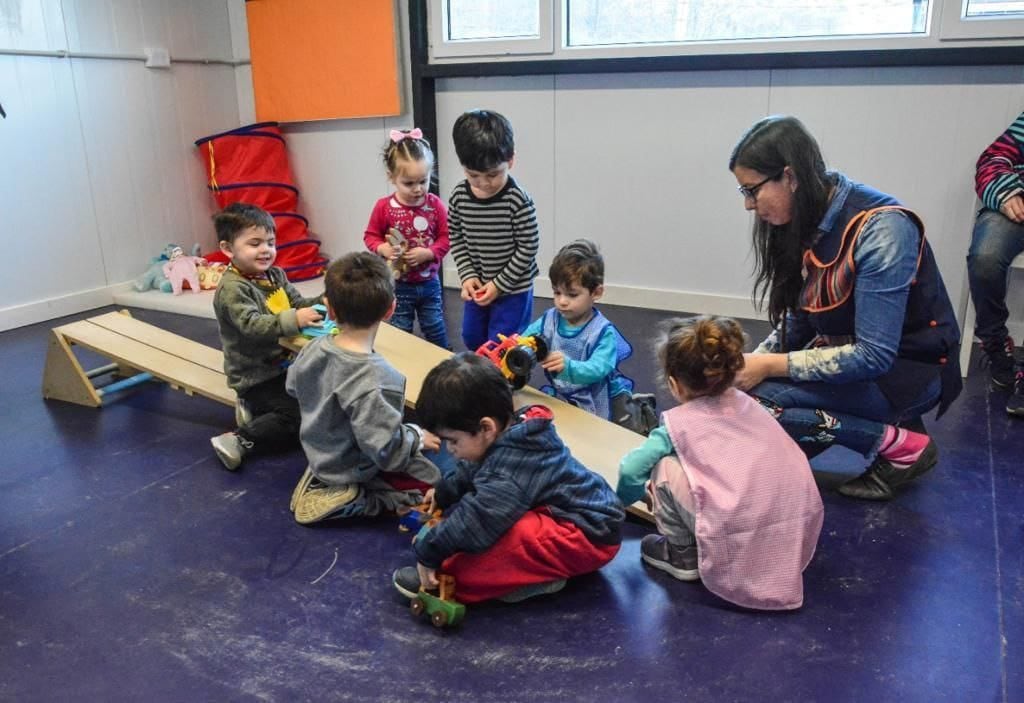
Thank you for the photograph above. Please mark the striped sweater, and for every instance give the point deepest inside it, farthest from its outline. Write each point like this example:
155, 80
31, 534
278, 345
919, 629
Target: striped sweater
494, 239
1001, 167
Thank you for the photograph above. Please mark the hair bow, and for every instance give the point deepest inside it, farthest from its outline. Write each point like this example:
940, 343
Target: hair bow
398, 135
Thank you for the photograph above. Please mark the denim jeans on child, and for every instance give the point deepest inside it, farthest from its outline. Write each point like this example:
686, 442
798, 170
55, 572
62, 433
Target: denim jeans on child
508, 314
997, 240
422, 300
852, 415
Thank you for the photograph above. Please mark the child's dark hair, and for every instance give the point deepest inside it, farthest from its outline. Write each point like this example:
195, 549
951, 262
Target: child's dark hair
578, 262
483, 140
460, 392
408, 148
702, 353
238, 217
360, 289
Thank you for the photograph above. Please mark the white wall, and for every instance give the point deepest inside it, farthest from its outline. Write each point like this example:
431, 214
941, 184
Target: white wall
99, 171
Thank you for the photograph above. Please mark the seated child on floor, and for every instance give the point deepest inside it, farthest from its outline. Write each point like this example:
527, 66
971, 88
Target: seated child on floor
255, 305
732, 494
521, 515
362, 459
585, 348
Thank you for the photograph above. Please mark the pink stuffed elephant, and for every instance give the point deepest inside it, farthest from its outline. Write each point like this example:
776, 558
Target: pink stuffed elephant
182, 268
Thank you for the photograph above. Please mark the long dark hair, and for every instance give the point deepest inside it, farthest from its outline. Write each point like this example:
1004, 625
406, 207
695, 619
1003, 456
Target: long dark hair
768, 147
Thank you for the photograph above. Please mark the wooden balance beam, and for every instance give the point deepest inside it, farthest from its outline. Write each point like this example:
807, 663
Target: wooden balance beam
137, 350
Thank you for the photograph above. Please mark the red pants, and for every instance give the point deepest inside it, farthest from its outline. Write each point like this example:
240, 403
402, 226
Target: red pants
537, 549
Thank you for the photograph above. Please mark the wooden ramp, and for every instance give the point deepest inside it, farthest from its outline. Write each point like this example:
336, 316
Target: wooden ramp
133, 347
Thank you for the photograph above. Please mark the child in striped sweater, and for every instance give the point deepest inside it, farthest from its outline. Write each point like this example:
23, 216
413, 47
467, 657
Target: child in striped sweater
493, 229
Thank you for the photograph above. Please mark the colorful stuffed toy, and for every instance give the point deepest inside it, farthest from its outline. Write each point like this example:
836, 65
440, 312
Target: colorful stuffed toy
154, 276
181, 269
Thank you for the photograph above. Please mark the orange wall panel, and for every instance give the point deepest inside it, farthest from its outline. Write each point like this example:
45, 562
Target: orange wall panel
323, 59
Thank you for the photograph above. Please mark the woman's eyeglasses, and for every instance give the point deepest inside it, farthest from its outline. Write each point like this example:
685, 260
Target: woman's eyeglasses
750, 192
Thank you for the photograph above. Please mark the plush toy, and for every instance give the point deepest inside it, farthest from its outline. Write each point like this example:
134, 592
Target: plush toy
154, 275
181, 269
210, 275
400, 245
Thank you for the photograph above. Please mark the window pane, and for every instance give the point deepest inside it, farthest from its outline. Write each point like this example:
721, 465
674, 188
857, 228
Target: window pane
596, 22
492, 19
993, 8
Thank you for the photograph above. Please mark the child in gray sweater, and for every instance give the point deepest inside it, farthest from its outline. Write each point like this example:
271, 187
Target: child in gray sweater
363, 460
255, 305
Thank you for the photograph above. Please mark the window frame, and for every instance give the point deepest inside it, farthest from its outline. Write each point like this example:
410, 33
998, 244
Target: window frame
948, 39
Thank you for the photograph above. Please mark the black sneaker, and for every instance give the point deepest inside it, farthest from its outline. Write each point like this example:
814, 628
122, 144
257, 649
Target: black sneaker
679, 562
407, 581
999, 358
881, 478
1015, 403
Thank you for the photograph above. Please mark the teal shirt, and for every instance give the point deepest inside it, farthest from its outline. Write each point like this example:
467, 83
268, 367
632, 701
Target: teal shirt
583, 372
636, 467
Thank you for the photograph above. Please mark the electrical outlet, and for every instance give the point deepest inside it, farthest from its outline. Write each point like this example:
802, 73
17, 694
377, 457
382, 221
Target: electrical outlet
158, 58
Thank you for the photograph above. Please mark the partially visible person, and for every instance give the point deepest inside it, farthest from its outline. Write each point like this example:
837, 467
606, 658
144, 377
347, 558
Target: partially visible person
420, 217
998, 239
733, 496
363, 459
521, 514
255, 305
494, 232
865, 339
584, 347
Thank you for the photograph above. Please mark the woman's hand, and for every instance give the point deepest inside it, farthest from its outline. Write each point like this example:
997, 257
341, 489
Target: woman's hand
758, 367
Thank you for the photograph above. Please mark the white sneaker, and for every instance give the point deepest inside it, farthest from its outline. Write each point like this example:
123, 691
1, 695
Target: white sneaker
230, 449
243, 416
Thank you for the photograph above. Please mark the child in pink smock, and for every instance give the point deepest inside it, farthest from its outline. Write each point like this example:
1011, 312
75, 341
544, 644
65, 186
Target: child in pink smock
733, 496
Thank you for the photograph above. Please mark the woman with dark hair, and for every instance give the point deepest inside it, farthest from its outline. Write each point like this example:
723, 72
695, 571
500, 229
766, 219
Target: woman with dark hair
865, 340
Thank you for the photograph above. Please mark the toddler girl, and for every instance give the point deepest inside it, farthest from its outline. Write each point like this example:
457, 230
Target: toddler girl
421, 221
733, 496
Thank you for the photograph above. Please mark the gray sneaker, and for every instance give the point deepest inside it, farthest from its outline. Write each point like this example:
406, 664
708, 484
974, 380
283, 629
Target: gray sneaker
678, 562
243, 416
534, 589
230, 449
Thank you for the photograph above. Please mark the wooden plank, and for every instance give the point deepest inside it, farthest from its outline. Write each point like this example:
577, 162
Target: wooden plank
596, 442
161, 339
63, 377
179, 372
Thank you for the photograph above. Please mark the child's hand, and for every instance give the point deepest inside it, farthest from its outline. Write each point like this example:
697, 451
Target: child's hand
1013, 208
431, 441
308, 317
428, 576
428, 498
387, 251
554, 363
469, 288
417, 256
486, 295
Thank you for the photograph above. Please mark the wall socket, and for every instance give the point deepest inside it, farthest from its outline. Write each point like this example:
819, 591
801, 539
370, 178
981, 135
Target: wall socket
158, 58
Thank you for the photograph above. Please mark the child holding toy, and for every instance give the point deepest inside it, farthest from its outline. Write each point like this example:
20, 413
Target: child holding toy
363, 460
733, 496
255, 305
494, 233
521, 515
584, 347
421, 221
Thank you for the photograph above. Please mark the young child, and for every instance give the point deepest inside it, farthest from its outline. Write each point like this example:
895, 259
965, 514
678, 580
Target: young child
733, 496
585, 348
521, 515
362, 459
420, 217
255, 305
494, 232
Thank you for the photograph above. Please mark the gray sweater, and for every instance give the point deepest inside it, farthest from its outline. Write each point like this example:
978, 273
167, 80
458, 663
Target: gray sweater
249, 330
351, 407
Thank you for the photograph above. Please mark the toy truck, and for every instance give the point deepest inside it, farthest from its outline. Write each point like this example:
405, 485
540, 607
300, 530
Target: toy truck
515, 356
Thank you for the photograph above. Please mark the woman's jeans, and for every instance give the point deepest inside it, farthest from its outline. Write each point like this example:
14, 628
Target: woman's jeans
422, 300
853, 415
997, 240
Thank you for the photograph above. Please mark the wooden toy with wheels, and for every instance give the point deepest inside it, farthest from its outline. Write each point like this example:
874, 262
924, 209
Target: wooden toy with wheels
443, 609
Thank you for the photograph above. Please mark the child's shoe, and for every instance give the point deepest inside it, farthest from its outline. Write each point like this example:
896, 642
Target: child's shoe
231, 449
321, 502
243, 416
678, 562
407, 581
534, 589
1015, 403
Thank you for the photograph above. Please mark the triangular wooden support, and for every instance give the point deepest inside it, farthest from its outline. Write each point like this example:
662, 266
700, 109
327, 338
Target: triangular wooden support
64, 378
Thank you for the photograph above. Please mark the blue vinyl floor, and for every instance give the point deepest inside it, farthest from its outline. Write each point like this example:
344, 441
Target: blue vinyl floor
134, 568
